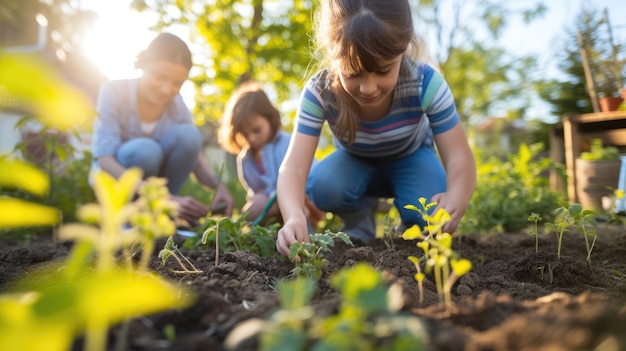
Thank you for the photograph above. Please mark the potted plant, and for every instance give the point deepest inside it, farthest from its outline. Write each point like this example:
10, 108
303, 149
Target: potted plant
607, 61
597, 174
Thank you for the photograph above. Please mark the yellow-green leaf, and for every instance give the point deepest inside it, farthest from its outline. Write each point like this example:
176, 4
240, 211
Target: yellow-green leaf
412, 233
411, 207
18, 324
114, 296
19, 213
420, 276
36, 86
24, 176
461, 267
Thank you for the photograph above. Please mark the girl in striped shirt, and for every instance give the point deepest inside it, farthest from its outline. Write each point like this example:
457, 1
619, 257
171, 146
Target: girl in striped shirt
387, 110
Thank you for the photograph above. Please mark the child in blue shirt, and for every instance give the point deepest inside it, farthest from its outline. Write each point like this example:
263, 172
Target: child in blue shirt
251, 129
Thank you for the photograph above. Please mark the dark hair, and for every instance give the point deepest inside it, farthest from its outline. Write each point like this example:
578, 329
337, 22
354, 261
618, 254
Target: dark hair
248, 99
166, 47
358, 34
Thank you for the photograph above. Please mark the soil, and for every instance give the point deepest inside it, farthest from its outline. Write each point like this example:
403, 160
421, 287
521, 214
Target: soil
513, 298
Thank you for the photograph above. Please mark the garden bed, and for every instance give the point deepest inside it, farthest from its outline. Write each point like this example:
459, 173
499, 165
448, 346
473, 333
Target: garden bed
512, 299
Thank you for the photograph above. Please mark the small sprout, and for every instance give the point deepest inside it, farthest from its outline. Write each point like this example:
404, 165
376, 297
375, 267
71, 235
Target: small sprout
535, 218
171, 250
309, 257
438, 254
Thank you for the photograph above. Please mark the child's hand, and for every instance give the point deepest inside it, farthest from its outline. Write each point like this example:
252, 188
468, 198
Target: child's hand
293, 231
456, 210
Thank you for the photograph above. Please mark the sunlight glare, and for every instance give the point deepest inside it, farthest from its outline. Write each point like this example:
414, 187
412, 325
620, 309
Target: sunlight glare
118, 35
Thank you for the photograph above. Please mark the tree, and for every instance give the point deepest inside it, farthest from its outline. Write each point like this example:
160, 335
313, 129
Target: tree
485, 79
66, 23
569, 94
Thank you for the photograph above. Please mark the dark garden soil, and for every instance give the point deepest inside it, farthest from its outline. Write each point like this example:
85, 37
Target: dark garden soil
513, 299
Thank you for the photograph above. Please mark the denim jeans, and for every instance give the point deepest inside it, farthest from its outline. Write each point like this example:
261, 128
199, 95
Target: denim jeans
173, 157
350, 187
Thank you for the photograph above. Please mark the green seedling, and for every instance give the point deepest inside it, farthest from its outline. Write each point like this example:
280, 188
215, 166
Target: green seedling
438, 254
308, 257
153, 218
171, 250
229, 235
366, 320
575, 215
535, 218
389, 231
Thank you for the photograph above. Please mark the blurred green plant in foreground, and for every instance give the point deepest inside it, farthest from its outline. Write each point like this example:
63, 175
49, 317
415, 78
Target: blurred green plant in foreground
87, 293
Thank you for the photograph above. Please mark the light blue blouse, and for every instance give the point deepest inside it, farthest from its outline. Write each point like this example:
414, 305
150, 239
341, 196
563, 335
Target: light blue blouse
118, 118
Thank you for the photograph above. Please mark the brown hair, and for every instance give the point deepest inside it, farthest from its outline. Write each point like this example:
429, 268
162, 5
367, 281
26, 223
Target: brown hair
357, 35
166, 47
248, 99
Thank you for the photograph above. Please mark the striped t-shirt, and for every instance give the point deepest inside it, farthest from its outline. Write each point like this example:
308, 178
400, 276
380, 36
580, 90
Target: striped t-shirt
402, 130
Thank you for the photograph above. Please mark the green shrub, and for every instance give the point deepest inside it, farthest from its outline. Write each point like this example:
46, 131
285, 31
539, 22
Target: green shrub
506, 192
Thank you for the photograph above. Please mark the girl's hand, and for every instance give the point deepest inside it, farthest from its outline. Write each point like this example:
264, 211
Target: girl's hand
456, 210
293, 231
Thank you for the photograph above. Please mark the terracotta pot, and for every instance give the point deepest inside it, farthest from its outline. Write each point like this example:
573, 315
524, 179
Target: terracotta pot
609, 103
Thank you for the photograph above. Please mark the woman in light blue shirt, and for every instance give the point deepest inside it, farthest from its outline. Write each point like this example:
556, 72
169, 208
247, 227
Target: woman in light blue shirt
145, 123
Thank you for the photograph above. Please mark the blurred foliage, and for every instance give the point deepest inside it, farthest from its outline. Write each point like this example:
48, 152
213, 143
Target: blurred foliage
65, 167
570, 95
465, 46
66, 21
507, 192
34, 85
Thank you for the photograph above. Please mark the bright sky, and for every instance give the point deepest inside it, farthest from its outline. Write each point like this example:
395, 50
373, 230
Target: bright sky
121, 33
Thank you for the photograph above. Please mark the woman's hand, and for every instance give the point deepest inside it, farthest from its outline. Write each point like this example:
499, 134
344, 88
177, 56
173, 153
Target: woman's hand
190, 209
222, 197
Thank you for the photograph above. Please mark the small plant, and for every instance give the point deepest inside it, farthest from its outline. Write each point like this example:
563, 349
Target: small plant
507, 191
535, 218
310, 256
227, 234
366, 320
438, 254
171, 250
389, 227
575, 215
598, 152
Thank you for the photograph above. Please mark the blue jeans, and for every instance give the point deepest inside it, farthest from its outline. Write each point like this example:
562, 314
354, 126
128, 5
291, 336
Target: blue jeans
350, 187
173, 157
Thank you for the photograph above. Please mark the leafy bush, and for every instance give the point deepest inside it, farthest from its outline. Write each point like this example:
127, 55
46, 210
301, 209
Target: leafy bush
598, 152
506, 192
227, 234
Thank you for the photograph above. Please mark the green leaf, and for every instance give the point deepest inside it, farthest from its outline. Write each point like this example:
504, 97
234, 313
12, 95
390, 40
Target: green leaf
295, 294
16, 213
24, 176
